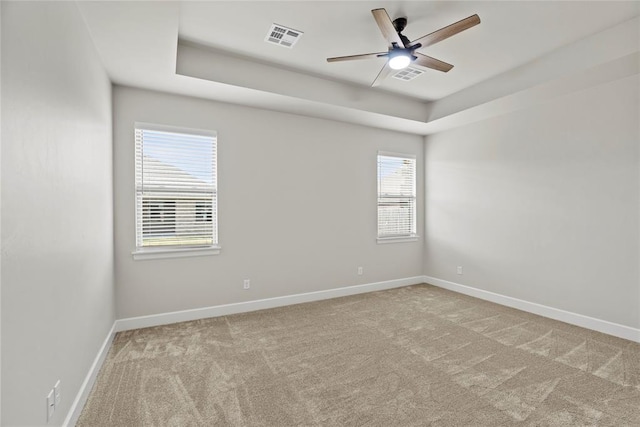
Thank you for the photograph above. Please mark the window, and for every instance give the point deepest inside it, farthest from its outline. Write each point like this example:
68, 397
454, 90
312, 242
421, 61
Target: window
176, 197
160, 214
203, 212
396, 197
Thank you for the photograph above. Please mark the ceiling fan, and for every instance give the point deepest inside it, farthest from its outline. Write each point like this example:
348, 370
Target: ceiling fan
402, 52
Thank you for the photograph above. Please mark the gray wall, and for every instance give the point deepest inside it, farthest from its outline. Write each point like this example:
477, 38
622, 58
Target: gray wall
297, 207
57, 234
543, 204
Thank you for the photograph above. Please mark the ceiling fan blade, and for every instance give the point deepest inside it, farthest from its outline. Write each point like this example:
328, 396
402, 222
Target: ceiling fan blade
386, 70
433, 63
352, 57
386, 26
448, 31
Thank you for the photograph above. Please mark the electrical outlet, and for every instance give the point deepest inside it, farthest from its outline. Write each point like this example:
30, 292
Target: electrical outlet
57, 394
360, 271
246, 284
51, 405
460, 269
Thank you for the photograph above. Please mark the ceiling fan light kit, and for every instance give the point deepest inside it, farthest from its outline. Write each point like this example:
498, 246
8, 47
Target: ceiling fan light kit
402, 52
399, 60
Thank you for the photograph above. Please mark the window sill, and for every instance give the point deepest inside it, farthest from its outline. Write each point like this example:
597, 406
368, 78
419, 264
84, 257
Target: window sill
383, 240
144, 254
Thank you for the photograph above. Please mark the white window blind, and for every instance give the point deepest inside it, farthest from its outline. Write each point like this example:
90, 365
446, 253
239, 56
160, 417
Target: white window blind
176, 197
396, 196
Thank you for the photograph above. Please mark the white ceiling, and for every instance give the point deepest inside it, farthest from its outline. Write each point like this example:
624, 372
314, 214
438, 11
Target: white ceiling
137, 42
510, 34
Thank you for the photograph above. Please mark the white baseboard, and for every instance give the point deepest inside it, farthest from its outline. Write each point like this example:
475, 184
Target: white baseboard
90, 379
220, 310
599, 325
603, 326
243, 307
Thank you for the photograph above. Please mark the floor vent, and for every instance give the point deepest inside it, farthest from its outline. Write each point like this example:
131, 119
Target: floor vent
283, 36
408, 74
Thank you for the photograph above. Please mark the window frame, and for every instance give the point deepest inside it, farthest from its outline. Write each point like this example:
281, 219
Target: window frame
177, 251
413, 235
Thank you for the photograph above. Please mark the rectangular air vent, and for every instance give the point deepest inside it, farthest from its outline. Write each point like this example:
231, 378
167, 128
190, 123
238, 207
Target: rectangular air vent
408, 74
283, 36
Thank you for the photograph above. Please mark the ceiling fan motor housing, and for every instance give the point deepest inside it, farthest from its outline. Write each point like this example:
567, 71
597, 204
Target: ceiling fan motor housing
400, 23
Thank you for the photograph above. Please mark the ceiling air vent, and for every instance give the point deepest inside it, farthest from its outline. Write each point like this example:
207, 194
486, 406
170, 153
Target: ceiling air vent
407, 74
283, 36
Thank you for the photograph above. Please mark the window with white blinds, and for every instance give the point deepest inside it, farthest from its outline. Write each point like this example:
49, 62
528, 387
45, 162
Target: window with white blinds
396, 196
176, 183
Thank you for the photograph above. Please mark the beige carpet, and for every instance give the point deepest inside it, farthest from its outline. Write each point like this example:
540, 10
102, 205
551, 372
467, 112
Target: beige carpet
412, 356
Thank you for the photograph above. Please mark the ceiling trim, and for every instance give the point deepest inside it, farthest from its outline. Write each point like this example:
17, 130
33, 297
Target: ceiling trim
203, 62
